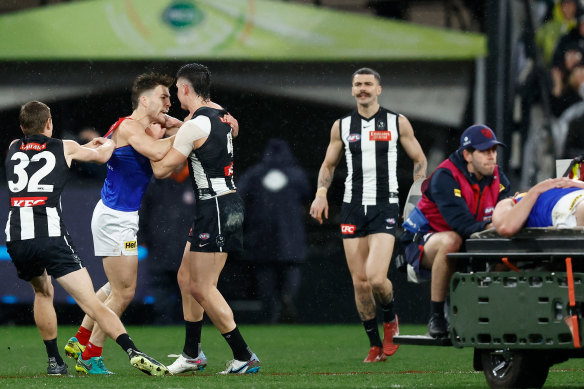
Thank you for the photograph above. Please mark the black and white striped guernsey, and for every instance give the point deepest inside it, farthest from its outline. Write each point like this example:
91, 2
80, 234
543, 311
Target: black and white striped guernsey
36, 172
371, 155
211, 165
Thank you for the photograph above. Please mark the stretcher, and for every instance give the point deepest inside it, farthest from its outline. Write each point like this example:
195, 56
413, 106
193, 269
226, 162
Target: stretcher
518, 302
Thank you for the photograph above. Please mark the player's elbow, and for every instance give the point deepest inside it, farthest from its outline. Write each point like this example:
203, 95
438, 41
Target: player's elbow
159, 172
157, 156
102, 157
506, 230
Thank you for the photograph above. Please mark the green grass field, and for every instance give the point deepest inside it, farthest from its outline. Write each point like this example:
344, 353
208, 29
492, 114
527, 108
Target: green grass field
307, 356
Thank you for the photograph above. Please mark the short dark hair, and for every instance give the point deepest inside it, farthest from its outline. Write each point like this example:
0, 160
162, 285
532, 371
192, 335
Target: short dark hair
367, 71
199, 76
33, 117
148, 81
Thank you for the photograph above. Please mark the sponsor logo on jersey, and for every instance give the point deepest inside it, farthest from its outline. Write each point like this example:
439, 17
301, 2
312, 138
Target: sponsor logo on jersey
391, 220
131, 245
489, 210
228, 170
353, 138
33, 146
384, 136
348, 229
204, 236
457, 192
27, 201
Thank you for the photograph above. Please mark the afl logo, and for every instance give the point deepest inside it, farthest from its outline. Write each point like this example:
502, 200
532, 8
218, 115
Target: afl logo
353, 138
204, 236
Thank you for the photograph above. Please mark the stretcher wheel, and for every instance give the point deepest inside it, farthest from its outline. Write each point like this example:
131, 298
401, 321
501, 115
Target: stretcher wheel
514, 369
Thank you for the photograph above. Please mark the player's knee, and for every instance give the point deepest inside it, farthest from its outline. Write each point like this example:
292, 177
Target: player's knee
361, 286
183, 280
123, 296
198, 291
45, 290
451, 242
378, 283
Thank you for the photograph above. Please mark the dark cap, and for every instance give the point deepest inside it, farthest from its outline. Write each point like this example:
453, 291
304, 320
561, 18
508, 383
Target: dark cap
479, 137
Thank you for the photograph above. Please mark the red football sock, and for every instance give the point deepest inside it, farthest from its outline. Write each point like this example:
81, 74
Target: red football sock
83, 335
91, 351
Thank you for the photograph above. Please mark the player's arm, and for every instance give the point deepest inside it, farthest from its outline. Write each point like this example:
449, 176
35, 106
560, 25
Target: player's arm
233, 123
412, 147
100, 152
227, 118
167, 165
136, 136
509, 218
190, 136
326, 174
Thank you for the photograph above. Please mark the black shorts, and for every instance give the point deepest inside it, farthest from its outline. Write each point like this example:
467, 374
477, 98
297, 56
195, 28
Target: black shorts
361, 220
55, 254
218, 225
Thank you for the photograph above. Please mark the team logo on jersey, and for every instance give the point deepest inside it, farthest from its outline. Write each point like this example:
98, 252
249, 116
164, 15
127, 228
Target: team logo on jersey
380, 136
390, 220
220, 241
204, 236
27, 201
33, 146
353, 138
380, 124
348, 229
228, 170
457, 192
489, 210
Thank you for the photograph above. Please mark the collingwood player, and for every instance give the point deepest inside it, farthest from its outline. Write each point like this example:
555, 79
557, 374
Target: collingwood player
37, 168
205, 142
368, 137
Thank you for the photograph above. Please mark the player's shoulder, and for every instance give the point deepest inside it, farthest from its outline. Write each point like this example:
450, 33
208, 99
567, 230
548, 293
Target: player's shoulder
384, 110
353, 113
130, 125
209, 112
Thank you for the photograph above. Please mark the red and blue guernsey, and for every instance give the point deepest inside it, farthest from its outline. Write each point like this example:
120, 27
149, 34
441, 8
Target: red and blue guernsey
128, 176
541, 213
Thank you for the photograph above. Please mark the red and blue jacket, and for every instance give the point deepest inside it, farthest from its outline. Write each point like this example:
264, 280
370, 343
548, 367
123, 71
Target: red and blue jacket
454, 200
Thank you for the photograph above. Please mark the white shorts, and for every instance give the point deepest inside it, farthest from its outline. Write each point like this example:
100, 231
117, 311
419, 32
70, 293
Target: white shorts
114, 232
563, 214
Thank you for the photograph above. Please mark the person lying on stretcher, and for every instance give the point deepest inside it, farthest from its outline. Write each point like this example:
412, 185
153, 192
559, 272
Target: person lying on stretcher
555, 202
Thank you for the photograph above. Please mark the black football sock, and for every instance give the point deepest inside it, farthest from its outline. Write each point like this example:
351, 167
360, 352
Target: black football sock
240, 350
372, 332
126, 343
192, 346
53, 350
437, 307
388, 315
